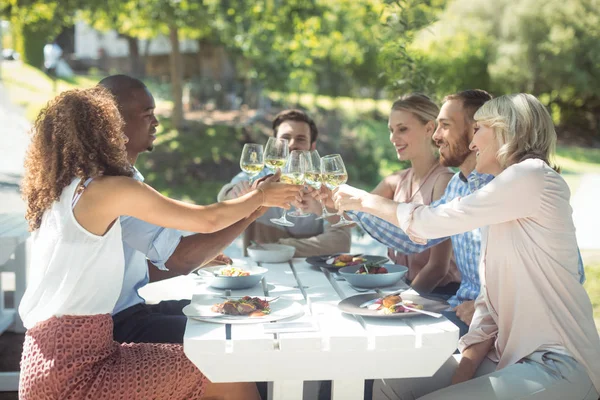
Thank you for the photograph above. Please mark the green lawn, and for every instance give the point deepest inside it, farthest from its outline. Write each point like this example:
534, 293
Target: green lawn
577, 161
32, 89
592, 285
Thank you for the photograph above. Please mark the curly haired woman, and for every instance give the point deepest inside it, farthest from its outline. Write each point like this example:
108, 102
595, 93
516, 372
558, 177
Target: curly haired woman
77, 184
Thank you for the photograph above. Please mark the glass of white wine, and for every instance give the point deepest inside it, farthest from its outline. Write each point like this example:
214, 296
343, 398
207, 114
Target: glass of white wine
313, 178
251, 161
333, 174
292, 173
276, 153
305, 159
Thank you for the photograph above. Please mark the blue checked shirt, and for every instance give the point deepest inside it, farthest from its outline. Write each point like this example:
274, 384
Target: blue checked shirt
466, 246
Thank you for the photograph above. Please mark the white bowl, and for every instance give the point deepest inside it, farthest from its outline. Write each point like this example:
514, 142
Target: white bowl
274, 253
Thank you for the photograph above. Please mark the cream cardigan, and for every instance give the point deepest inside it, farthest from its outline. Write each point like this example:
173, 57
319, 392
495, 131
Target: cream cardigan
531, 298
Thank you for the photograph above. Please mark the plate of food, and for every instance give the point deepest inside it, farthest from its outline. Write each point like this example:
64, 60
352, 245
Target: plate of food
239, 275
394, 305
241, 310
373, 276
337, 261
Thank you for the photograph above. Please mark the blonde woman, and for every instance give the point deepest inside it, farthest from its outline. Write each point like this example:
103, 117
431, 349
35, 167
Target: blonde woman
411, 125
533, 335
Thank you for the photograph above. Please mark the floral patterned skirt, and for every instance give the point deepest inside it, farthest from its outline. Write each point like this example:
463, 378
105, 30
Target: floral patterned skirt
75, 357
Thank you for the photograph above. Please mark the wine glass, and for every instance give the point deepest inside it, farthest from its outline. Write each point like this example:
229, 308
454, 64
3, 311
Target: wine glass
276, 153
292, 173
333, 174
251, 161
298, 213
313, 179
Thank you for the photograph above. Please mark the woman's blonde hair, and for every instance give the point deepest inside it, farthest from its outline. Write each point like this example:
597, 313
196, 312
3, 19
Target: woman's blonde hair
419, 105
523, 128
78, 135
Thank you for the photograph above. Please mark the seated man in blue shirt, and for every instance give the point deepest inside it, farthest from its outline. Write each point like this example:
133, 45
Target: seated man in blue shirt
454, 133
153, 253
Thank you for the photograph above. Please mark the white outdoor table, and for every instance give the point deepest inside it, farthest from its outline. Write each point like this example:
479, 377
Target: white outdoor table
13, 258
346, 349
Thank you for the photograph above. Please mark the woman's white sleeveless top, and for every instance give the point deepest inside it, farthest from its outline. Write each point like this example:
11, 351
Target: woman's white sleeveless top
72, 271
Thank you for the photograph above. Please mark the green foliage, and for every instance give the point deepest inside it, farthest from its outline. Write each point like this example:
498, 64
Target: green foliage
194, 163
33, 24
368, 153
145, 19
29, 43
547, 48
31, 88
592, 287
402, 67
308, 46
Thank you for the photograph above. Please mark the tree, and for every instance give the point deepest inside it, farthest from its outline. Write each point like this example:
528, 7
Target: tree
145, 19
34, 23
402, 66
545, 47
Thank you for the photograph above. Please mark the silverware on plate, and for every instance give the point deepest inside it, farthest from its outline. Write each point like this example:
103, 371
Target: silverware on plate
430, 313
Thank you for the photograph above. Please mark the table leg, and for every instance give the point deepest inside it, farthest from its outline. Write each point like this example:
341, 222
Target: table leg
286, 390
348, 389
22, 264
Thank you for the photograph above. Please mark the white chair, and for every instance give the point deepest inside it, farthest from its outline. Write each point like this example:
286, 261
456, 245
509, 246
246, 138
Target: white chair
13, 258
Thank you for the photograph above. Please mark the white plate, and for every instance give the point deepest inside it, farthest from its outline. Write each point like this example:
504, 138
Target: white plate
200, 310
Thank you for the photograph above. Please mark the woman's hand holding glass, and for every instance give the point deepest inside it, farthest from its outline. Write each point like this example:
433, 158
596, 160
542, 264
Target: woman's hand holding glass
279, 194
348, 198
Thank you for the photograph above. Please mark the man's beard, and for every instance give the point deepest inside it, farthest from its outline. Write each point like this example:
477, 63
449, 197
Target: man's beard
458, 152
150, 148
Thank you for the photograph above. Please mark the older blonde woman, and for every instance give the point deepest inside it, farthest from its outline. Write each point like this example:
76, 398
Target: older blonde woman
533, 335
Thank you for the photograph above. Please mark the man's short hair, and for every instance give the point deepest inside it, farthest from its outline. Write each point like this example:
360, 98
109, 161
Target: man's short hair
299, 116
472, 100
121, 86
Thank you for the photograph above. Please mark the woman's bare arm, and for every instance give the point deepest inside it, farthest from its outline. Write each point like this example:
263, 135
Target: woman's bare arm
387, 187
107, 198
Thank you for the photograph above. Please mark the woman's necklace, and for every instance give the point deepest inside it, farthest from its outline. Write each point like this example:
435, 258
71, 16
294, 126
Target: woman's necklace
423, 181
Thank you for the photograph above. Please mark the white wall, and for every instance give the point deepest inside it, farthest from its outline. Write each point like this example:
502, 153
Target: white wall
89, 41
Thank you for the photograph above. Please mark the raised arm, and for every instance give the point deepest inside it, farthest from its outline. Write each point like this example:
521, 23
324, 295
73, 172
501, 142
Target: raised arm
107, 198
386, 232
515, 193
